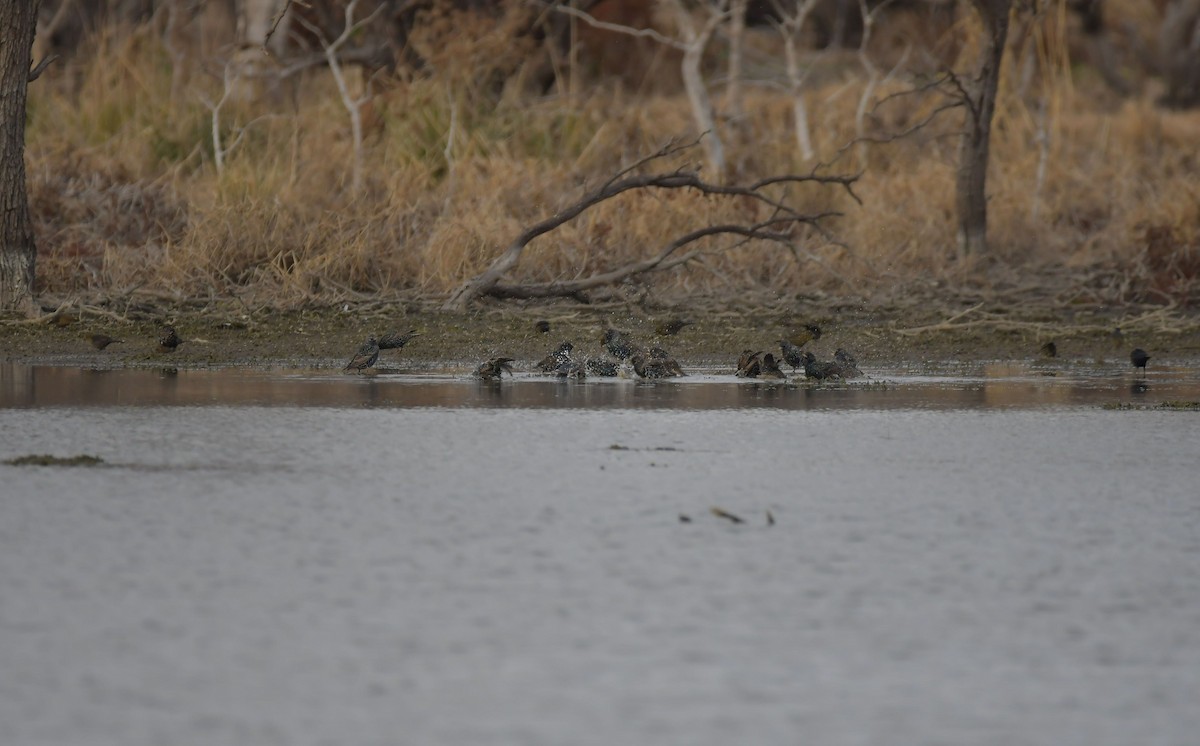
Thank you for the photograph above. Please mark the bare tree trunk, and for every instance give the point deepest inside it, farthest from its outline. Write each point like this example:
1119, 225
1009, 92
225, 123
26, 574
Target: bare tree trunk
1179, 51
980, 102
737, 34
18, 253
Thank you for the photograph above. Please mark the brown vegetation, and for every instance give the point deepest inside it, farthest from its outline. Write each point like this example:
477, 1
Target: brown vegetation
1092, 196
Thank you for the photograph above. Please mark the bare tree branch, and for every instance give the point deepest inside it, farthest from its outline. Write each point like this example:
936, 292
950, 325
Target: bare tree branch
40, 67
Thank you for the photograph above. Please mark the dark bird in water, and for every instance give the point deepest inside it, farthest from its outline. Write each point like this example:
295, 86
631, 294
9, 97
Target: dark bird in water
100, 341
1139, 358
749, 364
769, 368
791, 353
603, 368
671, 328
395, 340
849, 366
618, 343
655, 364
168, 339
542, 326
493, 369
366, 356
1049, 349
818, 369
560, 355
804, 335
571, 369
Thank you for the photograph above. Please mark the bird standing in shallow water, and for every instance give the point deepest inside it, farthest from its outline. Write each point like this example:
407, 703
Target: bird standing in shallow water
769, 368
791, 353
100, 341
168, 339
847, 364
749, 364
603, 368
1049, 349
1139, 358
493, 369
366, 356
818, 369
558, 356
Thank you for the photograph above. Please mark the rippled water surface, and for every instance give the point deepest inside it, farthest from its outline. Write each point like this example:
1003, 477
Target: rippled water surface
281, 557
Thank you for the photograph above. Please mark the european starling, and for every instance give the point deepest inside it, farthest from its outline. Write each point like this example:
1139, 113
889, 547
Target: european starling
658, 354
655, 366
847, 363
804, 335
749, 364
671, 328
769, 368
395, 340
100, 341
819, 370
602, 368
366, 356
560, 355
791, 353
1049, 349
618, 343
493, 369
168, 340
542, 326
1139, 358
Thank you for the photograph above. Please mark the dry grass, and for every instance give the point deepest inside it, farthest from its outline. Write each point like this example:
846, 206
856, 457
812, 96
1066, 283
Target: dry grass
126, 197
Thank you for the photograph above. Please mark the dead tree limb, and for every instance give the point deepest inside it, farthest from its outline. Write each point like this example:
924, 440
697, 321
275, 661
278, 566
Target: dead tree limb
777, 228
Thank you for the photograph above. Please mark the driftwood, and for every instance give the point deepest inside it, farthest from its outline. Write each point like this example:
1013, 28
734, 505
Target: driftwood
778, 228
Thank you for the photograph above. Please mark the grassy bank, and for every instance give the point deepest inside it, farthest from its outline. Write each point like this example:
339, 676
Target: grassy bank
1094, 200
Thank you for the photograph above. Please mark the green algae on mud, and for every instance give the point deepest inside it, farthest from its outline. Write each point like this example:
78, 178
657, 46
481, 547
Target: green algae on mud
326, 337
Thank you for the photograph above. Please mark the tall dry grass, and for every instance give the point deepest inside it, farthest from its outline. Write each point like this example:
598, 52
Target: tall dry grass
1092, 196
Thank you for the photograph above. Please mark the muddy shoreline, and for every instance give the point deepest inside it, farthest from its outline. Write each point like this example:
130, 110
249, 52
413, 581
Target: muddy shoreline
326, 338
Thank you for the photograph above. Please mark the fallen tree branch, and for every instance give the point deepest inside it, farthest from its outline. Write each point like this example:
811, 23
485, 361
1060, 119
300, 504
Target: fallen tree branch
784, 216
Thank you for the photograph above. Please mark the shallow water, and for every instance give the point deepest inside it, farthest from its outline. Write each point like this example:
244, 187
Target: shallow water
299, 558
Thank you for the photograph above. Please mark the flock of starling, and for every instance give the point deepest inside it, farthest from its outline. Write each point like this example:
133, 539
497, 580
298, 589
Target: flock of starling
628, 357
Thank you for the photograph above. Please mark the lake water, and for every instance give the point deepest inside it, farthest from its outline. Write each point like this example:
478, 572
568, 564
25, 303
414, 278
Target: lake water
977, 556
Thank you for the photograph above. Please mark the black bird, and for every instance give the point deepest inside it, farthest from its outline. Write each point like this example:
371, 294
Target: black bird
366, 356
560, 355
395, 340
671, 327
603, 368
749, 364
820, 370
791, 353
100, 341
769, 368
618, 343
661, 355
1049, 349
847, 363
493, 369
542, 326
168, 339
1139, 358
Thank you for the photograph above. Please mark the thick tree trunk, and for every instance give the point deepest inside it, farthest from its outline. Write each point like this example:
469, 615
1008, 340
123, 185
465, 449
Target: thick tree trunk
980, 95
18, 253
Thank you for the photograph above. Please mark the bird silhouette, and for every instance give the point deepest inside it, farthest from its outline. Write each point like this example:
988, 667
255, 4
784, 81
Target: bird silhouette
1049, 349
820, 370
168, 339
493, 369
618, 343
598, 367
1139, 358
396, 340
769, 368
847, 364
100, 341
366, 356
541, 326
571, 369
558, 356
791, 353
671, 327
655, 364
804, 334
